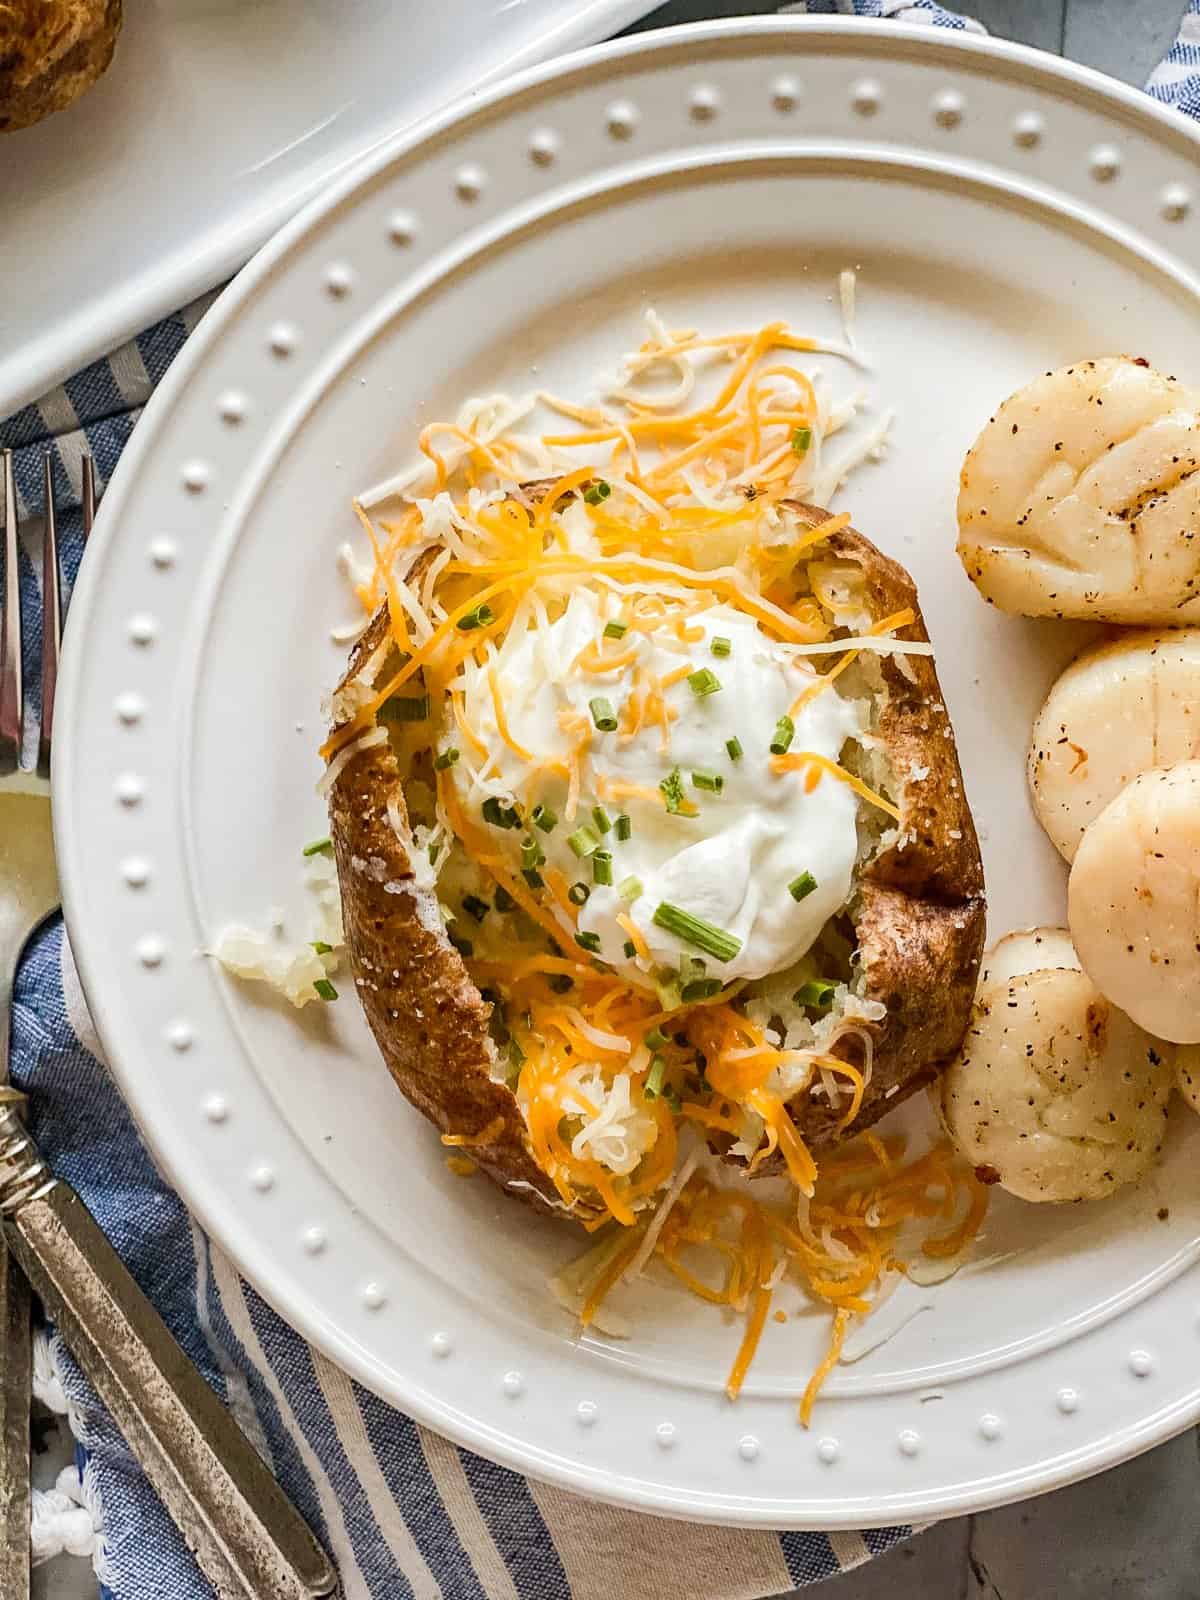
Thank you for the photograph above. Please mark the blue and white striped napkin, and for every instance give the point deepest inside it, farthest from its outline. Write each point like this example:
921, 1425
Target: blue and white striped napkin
402, 1511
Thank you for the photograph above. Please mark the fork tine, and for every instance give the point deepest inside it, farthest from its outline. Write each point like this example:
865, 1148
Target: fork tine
89, 496
12, 702
51, 618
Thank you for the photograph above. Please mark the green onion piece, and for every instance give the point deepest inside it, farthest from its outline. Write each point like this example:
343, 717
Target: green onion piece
445, 760
700, 989
583, 841
516, 1060
404, 708
502, 900
816, 995
624, 828
671, 1096
500, 816
588, 941
325, 989
655, 1039
544, 818
597, 491
578, 894
615, 630
629, 888
603, 714
720, 646
480, 616
703, 681
321, 948
560, 982
602, 867
712, 781
601, 818
694, 930
475, 907
800, 888
319, 847
434, 851
734, 748
630, 949
672, 791
801, 440
533, 878
785, 732
654, 1078
532, 854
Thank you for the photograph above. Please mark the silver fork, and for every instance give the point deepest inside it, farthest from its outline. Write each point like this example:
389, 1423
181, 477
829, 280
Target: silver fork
246, 1537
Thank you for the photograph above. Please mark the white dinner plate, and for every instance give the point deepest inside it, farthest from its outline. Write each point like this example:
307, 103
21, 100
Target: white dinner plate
1005, 212
216, 121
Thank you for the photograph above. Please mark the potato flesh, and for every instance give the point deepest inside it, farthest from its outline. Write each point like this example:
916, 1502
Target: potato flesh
1056, 1094
1133, 901
1121, 709
1080, 498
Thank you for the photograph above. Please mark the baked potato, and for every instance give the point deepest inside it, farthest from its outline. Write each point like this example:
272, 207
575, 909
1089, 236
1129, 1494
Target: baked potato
454, 959
1056, 1095
1123, 707
51, 52
1080, 498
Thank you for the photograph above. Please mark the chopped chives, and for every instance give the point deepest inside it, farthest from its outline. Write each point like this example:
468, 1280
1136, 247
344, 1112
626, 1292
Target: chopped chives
500, 816
601, 818
800, 888
705, 936
781, 739
801, 439
655, 1039
700, 989
319, 847
544, 818
515, 1054
434, 851
630, 949
480, 616
672, 791
671, 1096
445, 760
603, 714
720, 646
475, 907
560, 982
583, 841
624, 827
532, 854
712, 781
578, 894
703, 681
654, 1078
629, 888
734, 748
602, 867
325, 989
502, 900
404, 708
321, 948
533, 878
615, 630
816, 995
588, 941
597, 491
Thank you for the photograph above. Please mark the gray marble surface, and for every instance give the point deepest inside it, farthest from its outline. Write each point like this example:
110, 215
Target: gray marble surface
1133, 1534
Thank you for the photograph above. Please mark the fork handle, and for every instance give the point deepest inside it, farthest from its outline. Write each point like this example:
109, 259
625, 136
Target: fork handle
247, 1539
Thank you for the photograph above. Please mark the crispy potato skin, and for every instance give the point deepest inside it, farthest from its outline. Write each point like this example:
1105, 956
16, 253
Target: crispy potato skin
919, 918
52, 53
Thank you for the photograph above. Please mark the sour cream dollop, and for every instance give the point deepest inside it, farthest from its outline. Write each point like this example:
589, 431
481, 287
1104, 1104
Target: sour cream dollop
731, 863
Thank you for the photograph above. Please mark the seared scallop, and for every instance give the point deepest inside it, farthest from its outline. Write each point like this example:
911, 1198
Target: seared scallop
1123, 707
1081, 497
1133, 901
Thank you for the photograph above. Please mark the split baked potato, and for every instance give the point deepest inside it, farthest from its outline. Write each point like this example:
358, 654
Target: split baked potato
899, 958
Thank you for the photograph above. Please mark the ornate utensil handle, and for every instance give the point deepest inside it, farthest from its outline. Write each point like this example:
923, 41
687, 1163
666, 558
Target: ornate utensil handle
246, 1537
